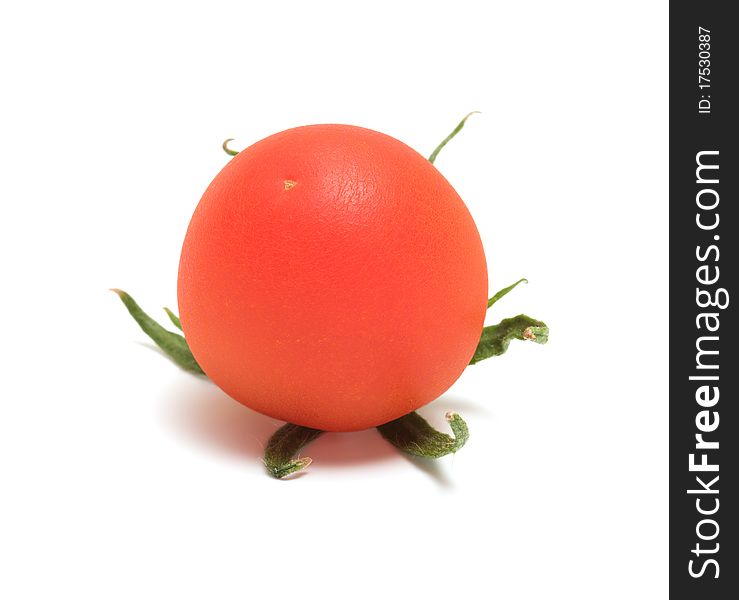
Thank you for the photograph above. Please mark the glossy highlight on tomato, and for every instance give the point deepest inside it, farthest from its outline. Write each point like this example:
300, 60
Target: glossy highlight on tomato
331, 277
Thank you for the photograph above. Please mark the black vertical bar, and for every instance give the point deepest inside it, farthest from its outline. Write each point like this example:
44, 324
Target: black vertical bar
703, 271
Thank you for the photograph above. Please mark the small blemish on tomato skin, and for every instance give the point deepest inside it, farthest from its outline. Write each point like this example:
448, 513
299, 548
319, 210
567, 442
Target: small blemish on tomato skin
289, 184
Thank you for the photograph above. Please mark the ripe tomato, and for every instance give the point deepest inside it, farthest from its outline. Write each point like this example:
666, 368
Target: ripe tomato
332, 278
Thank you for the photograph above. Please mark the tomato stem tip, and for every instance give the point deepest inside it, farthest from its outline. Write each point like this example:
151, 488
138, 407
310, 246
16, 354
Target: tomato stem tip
448, 138
284, 444
228, 150
413, 435
174, 318
495, 339
505, 291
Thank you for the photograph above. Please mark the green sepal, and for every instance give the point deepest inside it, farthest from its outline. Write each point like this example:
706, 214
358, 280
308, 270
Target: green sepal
413, 435
495, 339
284, 444
504, 291
176, 320
228, 150
172, 344
448, 138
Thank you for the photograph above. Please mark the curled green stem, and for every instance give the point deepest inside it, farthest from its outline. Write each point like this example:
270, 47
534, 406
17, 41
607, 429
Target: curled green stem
284, 444
448, 138
172, 344
413, 435
495, 339
228, 150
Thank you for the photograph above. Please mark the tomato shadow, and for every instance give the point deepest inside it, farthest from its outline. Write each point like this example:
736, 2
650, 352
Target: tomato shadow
435, 469
342, 449
201, 413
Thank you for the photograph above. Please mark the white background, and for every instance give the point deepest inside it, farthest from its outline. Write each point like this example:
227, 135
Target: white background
124, 477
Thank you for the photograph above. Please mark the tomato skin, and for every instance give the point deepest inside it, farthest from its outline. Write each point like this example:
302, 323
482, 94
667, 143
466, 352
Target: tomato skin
332, 278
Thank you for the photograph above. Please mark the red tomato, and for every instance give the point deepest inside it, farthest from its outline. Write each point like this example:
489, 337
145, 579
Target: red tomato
332, 278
